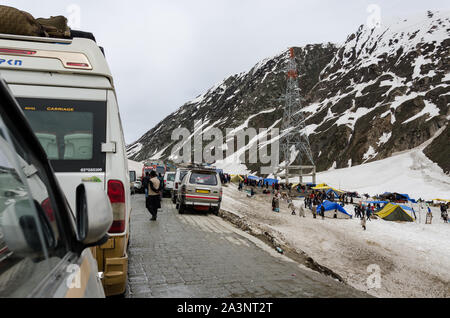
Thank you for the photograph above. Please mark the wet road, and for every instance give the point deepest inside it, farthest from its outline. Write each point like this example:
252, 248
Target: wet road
194, 255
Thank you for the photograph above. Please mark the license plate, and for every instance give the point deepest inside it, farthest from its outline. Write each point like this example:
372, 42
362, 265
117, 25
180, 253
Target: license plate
202, 191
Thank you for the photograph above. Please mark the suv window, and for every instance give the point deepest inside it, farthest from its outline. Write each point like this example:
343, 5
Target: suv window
30, 244
171, 177
182, 174
71, 132
203, 178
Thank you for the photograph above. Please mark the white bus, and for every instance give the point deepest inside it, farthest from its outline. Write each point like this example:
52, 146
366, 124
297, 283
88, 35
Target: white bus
67, 93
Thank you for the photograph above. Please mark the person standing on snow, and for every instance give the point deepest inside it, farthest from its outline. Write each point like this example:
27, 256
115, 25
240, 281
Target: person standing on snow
322, 212
363, 222
291, 206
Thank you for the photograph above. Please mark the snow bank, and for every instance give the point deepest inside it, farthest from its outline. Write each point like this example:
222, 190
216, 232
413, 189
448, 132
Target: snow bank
413, 258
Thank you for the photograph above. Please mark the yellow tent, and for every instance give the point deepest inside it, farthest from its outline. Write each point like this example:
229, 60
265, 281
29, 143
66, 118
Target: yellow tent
394, 212
324, 186
321, 186
236, 178
443, 200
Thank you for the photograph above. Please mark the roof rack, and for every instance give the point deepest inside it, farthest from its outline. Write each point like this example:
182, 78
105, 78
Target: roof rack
34, 38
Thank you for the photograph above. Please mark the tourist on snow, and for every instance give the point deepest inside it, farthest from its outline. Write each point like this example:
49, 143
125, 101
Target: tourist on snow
322, 211
363, 222
291, 206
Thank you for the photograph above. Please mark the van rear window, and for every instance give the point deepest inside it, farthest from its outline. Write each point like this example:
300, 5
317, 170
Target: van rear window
71, 132
203, 178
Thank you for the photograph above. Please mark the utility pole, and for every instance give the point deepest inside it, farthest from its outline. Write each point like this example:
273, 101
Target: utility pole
295, 138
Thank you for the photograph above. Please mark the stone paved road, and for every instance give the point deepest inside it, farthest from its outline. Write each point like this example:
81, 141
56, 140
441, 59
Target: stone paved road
193, 255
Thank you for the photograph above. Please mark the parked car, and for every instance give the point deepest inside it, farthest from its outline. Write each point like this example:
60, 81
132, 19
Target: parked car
200, 189
138, 186
169, 178
44, 244
179, 174
132, 181
67, 93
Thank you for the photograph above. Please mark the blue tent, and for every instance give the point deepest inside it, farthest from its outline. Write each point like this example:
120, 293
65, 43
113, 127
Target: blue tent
254, 178
270, 181
408, 198
330, 207
336, 195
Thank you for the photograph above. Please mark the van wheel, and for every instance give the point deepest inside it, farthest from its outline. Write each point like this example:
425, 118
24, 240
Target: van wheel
215, 211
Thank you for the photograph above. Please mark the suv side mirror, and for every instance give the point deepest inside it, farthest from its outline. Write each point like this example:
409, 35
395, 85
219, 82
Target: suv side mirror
94, 214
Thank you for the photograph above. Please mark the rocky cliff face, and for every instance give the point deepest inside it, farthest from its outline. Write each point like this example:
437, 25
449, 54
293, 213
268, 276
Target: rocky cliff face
384, 90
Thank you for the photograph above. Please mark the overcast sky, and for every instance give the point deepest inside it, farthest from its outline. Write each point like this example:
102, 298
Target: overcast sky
164, 53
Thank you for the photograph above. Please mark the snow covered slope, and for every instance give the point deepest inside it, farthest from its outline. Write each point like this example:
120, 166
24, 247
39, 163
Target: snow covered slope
409, 172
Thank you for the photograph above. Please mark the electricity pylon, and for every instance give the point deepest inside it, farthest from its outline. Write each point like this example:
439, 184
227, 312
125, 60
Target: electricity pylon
295, 142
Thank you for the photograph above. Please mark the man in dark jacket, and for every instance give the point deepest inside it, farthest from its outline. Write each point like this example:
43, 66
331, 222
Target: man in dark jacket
145, 183
153, 200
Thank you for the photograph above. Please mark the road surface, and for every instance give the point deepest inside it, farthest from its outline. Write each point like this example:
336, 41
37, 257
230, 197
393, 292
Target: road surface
196, 255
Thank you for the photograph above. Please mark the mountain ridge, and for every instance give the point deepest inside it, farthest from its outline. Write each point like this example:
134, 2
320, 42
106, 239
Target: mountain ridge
384, 90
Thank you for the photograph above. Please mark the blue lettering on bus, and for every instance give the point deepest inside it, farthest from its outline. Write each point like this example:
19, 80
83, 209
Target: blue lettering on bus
11, 62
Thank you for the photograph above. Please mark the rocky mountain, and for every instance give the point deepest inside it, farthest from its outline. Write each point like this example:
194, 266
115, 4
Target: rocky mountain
383, 91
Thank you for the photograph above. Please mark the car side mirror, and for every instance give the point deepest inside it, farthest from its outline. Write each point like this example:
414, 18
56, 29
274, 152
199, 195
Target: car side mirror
94, 214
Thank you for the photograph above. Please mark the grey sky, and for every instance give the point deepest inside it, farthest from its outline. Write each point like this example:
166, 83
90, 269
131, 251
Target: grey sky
165, 53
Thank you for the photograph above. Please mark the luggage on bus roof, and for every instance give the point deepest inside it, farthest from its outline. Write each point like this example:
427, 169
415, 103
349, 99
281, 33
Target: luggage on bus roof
16, 22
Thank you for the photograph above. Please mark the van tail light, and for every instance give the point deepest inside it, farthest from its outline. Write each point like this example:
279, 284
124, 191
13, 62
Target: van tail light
18, 52
176, 185
116, 194
77, 65
47, 207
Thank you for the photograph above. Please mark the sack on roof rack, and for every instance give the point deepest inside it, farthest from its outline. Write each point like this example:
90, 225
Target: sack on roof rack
55, 27
17, 22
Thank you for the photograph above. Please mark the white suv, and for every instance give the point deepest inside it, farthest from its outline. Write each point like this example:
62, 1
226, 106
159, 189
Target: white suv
179, 174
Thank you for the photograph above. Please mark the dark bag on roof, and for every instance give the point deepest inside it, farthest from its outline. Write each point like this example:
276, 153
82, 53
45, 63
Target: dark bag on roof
14, 21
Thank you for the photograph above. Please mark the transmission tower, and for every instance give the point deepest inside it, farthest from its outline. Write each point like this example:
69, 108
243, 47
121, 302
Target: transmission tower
295, 143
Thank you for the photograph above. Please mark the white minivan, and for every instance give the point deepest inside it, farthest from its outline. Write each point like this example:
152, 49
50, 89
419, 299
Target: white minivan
66, 91
169, 178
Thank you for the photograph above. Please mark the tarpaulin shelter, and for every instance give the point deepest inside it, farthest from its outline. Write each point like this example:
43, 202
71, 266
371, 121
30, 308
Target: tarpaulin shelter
331, 207
254, 178
394, 196
395, 212
270, 181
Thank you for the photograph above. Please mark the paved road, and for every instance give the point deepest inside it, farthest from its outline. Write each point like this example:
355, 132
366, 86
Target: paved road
193, 255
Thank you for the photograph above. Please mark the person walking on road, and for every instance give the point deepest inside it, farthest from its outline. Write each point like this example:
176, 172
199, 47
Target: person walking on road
145, 183
153, 200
